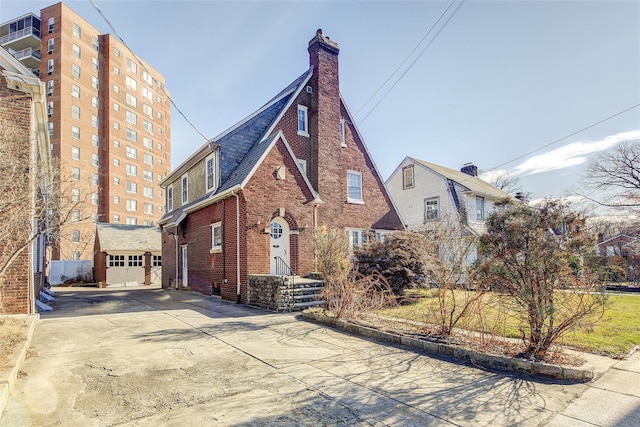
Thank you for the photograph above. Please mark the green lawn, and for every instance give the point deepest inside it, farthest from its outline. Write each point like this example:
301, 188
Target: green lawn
617, 332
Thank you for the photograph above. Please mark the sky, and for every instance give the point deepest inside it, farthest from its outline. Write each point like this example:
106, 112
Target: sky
492, 83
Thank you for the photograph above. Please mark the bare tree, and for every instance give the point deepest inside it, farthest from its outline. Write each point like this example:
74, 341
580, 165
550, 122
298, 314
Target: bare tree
615, 174
504, 180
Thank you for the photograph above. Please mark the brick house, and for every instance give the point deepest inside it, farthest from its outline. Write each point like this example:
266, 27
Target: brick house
248, 201
24, 163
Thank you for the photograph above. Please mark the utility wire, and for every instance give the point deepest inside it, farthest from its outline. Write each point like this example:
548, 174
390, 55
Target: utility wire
415, 60
406, 59
147, 70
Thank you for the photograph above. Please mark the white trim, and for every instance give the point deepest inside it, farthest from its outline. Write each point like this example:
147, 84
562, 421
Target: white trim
184, 189
216, 248
304, 109
359, 201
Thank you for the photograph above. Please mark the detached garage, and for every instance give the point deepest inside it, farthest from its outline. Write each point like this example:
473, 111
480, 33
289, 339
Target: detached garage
127, 255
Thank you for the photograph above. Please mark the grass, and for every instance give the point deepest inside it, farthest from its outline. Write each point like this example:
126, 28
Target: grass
614, 335
12, 332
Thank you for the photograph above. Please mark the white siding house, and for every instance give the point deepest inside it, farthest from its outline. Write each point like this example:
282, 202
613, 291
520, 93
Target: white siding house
423, 192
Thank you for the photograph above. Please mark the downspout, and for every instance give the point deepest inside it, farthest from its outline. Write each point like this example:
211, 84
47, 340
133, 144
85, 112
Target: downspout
175, 236
31, 295
315, 227
224, 248
237, 246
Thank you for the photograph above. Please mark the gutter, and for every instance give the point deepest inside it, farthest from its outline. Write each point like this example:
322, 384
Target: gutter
237, 246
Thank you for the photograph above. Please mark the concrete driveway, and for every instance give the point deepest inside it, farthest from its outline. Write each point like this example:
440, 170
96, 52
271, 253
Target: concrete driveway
148, 357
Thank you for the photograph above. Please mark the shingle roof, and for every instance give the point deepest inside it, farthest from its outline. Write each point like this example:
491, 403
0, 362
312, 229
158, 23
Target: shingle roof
242, 145
132, 238
470, 183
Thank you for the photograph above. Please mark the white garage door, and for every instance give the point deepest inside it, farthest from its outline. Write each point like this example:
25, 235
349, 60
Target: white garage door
125, 270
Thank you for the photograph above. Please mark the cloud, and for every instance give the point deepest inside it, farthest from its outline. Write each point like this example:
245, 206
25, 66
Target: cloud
571, 154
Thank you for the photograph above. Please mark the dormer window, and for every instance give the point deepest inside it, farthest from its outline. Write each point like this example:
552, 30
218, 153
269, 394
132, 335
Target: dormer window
303, 121
212, 171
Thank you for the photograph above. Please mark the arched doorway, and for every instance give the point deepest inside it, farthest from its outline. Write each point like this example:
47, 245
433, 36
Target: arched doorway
279, 250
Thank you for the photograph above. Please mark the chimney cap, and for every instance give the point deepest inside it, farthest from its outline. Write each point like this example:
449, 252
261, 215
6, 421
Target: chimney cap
324, 41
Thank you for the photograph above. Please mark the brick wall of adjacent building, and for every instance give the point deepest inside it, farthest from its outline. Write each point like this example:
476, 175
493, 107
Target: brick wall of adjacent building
15, 107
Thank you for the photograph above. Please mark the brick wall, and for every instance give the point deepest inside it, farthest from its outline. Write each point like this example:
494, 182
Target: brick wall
15, 107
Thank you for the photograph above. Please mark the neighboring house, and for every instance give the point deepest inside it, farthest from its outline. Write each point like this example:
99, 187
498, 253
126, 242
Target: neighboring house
23, 106
622, 245
127, 254
425, 192
249, 202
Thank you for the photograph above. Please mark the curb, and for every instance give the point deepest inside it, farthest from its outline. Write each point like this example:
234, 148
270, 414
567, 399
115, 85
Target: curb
581, 374
8, 376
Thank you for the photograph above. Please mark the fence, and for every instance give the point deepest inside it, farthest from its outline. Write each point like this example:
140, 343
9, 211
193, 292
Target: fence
70, 271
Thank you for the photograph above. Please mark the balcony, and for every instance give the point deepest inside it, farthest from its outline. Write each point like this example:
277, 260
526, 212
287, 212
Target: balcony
29, 57
21, 39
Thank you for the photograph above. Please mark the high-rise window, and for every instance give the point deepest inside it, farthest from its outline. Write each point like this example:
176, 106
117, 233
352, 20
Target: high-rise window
75, 71
75, 50
77, 31
50, 66
132, 66
50, 45
75, 91
94, 63
75, 132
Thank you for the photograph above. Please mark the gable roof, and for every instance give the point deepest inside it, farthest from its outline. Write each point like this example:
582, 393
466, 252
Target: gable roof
242, 148
128, 238
467, 182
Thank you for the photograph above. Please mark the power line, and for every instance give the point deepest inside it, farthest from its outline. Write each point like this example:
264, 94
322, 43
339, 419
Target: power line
146, 69
414, 61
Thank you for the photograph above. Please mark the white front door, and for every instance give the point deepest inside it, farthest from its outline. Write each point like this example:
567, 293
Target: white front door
279, 247
185, 268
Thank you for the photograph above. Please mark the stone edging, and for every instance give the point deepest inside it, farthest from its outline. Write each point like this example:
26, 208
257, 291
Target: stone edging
8, 376
584, 373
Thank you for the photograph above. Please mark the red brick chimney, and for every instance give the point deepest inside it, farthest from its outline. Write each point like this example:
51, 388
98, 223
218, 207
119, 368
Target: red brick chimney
324, 121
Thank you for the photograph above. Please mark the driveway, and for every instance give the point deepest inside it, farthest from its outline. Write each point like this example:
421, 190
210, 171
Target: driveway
149, 357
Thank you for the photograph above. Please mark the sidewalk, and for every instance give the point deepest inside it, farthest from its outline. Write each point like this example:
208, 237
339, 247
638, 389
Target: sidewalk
611, 400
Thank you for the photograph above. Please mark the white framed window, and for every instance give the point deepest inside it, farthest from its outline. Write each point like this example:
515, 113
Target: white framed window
147, 142
75, 91
50, 25
131, 170
50, 66
132, 66
94, 120
116, 200
146, 92
75, 132
94, 102
147, 77
212, 171
116, 107
132, 187
75, 255
132, 152
148, 126
131, 100
95, 83
116, 52
50, 84
75, 215
116, 125
356, 236
132, 135
95, 179
147, 222
50, 126
216, 237
148, 208
147, 175
95, 140
131, 83
132, 205
75, 236
354, 187
147, 110
116, 162
116, 219
75, 173
185, 188
408, 177
75, 153
77, 31
116, 88
75, 70
94, 199
160, 208
132, 220
148, 192
148, 158
170, 198
95, 159
116, 70
96, 44
50, 45
479, 208
303, 120
75, 194
116, 180
94, 63
50, 109
431, 208
75, 51
116, 260
116, 143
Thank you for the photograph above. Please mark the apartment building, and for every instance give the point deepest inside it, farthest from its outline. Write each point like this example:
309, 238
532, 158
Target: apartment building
109, 123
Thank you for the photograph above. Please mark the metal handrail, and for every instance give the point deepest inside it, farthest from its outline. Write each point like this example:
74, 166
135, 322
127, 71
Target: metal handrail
282, 268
